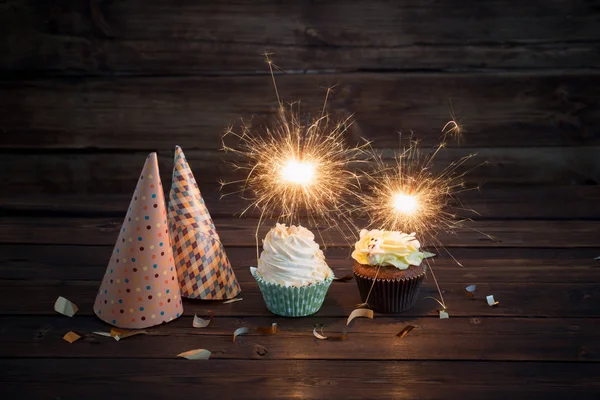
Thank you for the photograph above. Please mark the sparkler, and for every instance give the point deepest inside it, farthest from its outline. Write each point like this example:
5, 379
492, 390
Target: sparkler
301, 169
412, 196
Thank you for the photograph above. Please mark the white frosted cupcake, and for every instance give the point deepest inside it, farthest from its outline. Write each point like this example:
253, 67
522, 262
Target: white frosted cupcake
292, 273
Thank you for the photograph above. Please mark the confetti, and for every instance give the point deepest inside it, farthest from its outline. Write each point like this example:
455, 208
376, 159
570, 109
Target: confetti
345, 278
470, 291
71, 337
268, 330
119, 334
260, 350
491, 301
65, 307
322, 336
597, 258
427, 254
107, 334
201, 322
444, 314
233, 300
239, 331
197, 354
360, 313
317, 335
405, 331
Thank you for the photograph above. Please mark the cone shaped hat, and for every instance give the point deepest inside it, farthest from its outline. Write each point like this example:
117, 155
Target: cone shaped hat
203, 268
140, 287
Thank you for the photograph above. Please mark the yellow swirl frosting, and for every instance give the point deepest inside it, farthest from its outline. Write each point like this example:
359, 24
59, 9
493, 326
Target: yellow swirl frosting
377, 247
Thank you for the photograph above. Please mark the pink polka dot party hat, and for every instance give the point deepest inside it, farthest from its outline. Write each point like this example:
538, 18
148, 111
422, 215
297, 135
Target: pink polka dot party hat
203, 268
140, 287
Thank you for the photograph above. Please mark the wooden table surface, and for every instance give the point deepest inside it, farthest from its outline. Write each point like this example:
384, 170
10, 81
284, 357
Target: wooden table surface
543, 339
89, 88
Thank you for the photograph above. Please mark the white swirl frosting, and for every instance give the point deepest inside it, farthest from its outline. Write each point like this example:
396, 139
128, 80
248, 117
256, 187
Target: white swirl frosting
291, 257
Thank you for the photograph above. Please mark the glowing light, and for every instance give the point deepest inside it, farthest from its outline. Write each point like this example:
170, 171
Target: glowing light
297, 169
404, 203
298, 172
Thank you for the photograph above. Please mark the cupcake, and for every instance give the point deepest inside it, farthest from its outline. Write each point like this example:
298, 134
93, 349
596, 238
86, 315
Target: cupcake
389, 269
292, 274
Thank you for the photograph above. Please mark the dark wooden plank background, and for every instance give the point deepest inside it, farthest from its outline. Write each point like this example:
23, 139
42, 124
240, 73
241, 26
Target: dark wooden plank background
88, 88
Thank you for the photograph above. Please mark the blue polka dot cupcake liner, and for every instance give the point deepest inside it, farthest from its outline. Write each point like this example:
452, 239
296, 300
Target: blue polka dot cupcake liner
291, 301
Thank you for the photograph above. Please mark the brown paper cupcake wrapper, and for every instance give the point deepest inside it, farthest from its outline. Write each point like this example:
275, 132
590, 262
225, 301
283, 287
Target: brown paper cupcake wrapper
390, 296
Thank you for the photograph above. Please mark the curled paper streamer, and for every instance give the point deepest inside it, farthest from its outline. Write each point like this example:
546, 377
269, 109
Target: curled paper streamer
405, 331
201, 322
197, 354
427, 254
233, 300
444, 314
491, 301
317, 335
268, 330
119, 334
360, 313
71, 337
345, 278
470, 291
238, 332
65, 307
321, 336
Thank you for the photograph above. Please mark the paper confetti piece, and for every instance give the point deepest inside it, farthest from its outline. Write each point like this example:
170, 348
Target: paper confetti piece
71, 337
405, 331
491, 301
321, 336
345, 278
233, 300
268, 330
201, 322
65, 307
260, 350
444, 314
470, 291
119, 334
197, 354
597, 258
317, 335
107, 334
238, 332
360, 313
427, 254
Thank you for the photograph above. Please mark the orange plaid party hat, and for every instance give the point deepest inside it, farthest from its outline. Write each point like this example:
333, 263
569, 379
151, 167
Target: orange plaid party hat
203, 268
139, 288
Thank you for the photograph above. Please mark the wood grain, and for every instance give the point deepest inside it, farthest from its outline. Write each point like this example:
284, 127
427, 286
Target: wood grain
506, 339
145, 37
526, 108
287, 379
568, 202
240, 232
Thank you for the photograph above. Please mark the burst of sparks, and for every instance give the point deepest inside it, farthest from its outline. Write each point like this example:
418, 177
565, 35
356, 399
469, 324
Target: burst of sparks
411, 196
300, 170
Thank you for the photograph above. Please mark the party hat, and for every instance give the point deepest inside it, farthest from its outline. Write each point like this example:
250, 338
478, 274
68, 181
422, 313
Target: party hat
203, 268
139, 288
